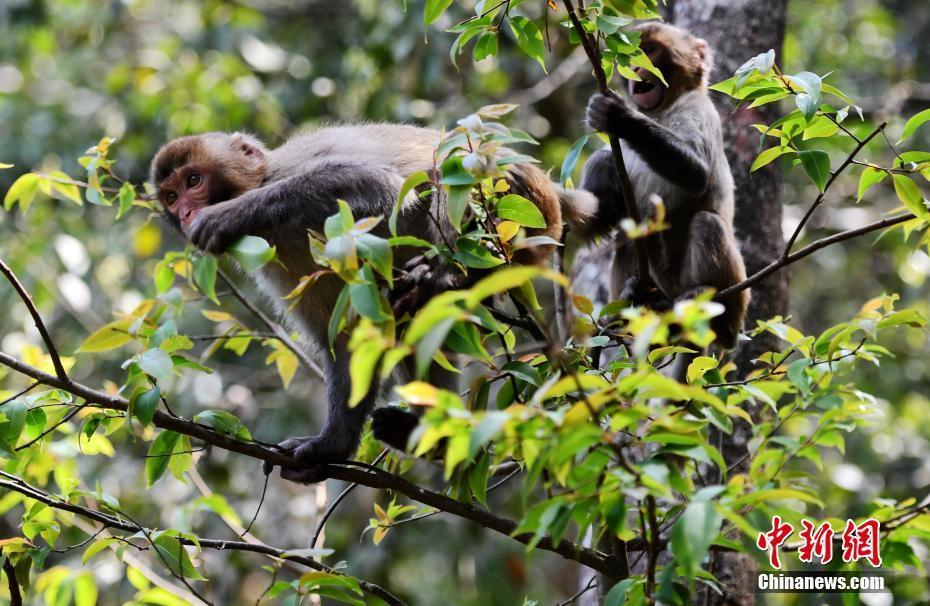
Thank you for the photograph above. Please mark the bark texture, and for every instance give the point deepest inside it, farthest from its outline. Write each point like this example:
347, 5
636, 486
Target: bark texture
738, 30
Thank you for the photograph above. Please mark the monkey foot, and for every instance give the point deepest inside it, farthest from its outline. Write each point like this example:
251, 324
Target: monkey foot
393, 426
643, 292
422, 280
310, 454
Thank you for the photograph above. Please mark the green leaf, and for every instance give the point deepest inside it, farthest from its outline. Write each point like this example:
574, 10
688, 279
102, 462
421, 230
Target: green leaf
427, 346
176, 557
817, 165
365, 297
107, 337
339, 312
156, 363
434, 10
910, 195
85, 590
501, 281
486, 46
457, 198
252, 252
13, 415
529, 39
159, 455
767, 156
362, 367
225, 423
473, 254
127, 195
145, 404
809, 100
913, 124
96, 547
571, 159
378, 252
617, 594
23, 191
520, 210
205, 276
410, 183
869, 177
693, 534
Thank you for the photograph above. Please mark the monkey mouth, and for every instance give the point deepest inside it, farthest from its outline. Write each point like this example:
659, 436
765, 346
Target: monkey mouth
646, 93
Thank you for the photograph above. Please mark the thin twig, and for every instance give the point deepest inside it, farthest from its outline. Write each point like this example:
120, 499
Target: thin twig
36, 318
811, 248
274, 327
339, 499
20, 394
21, 486
820, 198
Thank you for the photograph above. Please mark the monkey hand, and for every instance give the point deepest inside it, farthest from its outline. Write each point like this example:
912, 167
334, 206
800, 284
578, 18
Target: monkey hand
422, 280
643, 292
217, 227
607, 113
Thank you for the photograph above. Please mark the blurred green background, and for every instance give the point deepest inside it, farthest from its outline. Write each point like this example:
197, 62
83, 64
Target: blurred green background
143, 71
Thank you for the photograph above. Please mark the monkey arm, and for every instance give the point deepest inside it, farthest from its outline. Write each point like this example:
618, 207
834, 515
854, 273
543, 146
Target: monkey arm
302, 201
670, 155
666, 153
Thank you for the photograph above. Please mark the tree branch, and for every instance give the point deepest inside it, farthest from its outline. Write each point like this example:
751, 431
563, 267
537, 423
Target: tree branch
16, 598
348, 472
21, 486
274, 327
36, 318
594, 58
820, 198
811, 248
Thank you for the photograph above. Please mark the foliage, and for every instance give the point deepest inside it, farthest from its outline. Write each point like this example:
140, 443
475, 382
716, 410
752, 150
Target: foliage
598, 437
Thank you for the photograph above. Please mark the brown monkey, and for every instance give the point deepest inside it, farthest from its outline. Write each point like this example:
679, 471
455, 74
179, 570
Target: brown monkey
673, 148
218, 187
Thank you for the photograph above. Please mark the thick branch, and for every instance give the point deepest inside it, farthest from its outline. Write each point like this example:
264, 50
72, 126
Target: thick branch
594, 57
371, 477
18, 485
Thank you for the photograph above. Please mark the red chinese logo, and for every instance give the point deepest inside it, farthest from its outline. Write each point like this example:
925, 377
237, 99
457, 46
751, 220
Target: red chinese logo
860, 541
773, 539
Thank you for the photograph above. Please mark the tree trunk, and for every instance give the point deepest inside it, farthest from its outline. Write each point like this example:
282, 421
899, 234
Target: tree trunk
738, 30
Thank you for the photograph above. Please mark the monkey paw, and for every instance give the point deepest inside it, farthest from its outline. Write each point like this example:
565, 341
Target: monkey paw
606, 113
643, 292
216, 228
422, 280
393, 426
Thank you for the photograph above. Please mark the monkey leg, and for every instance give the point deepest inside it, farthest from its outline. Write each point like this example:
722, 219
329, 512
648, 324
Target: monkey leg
712, 260
342, 431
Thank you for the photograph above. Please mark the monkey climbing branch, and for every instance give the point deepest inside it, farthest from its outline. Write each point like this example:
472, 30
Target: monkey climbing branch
594, 57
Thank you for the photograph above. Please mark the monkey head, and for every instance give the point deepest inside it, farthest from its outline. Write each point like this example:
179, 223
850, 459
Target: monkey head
684, 60
193, 172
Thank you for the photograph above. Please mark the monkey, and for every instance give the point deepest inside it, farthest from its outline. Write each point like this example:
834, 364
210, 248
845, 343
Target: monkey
672, 145
217, 187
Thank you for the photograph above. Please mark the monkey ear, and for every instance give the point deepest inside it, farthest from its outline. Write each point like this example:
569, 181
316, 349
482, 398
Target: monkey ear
250, 147
705, 57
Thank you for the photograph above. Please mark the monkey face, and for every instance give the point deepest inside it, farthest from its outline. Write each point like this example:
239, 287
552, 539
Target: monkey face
683, 59
191, 173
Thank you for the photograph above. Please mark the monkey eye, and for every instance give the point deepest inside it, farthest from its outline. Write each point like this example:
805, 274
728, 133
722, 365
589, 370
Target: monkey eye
193, 179
648, 48
171, 198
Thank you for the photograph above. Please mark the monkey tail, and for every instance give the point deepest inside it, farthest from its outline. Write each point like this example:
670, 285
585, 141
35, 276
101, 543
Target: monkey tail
579, 209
